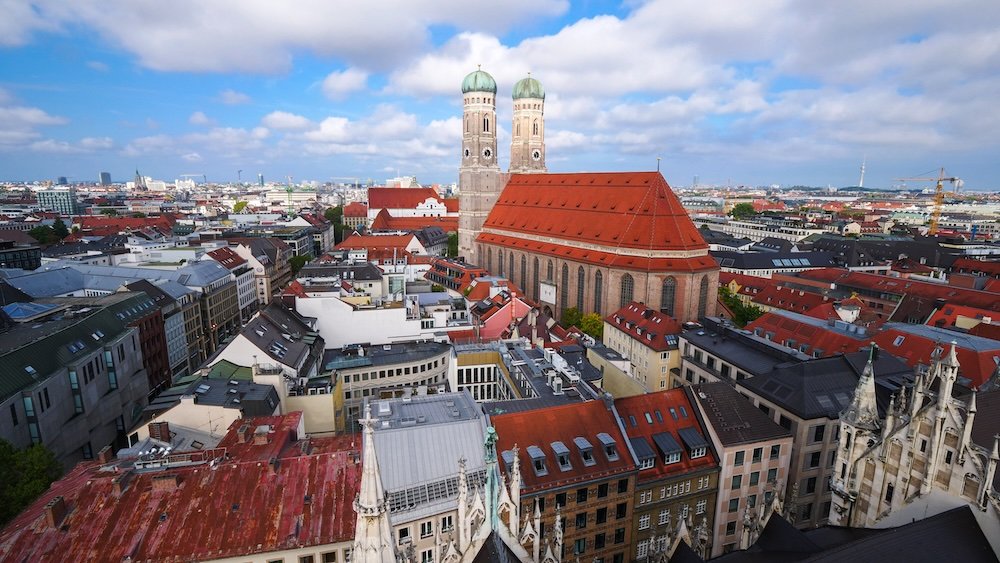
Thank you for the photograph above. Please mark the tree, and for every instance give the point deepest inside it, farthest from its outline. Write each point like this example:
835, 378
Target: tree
742, 211
25, 474
59, 229
335, 215
139, 215
571, 317
593, 324
44, 234
452, 245
298, 261
109, 212
239, 206
742, 313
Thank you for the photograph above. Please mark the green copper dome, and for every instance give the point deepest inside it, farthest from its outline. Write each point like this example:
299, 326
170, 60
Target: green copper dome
479, 81
528, 88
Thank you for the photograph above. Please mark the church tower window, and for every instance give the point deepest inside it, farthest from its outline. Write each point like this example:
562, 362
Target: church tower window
486, 124
667, 295
703, 297
598, 286
628, 286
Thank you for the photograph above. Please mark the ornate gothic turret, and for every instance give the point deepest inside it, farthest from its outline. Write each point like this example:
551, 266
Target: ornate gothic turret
372, 533
863, 410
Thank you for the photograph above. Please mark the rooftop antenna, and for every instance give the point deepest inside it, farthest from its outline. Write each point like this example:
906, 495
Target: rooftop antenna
657, 164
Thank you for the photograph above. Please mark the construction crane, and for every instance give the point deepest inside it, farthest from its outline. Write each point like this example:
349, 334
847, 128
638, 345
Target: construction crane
938, 195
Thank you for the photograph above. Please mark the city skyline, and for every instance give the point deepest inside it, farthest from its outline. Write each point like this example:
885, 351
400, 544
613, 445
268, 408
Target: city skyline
788, 94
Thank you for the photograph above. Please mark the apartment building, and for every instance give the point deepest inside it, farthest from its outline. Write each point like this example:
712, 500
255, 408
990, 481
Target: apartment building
648, 339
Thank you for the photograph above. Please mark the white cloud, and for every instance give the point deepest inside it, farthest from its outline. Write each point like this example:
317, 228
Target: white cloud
199, 118
192, 157
96, 143
338, 85
232, 97
54, 146
284, 121
98, 66
20, 125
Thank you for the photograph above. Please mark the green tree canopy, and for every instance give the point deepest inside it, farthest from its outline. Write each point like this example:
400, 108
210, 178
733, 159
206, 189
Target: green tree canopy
59, 229
239, 206
742, 211
44, 234
25, 474
742, 313
592, 324
335, 215
296, 262
571, 317
109, 212
452, 245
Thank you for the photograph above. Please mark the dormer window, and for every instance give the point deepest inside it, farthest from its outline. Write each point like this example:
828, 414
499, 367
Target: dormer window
668, 447
562, 456
538, 460
695, 443
609, 445
586, 451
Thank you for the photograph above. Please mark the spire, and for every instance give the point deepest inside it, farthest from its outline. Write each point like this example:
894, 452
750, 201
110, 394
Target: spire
373, 540
493, 480
863, 410
947, 370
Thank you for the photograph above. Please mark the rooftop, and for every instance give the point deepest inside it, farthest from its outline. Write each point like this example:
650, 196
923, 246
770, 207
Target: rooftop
733, 417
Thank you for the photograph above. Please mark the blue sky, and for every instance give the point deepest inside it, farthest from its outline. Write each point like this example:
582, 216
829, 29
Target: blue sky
759, 92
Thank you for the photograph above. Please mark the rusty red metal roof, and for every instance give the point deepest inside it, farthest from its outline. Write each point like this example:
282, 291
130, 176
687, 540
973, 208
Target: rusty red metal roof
258, 498
647, 326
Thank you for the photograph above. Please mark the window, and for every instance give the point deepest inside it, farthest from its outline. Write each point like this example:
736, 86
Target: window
581, 520
404, 534
581, 495
580, 280
306, 559
645, 496
551, 271
664, 517
772, 475
758, 453
738, 461
889, 489
620, 535
667, 294
426, 529
534, 286
784, 422
734, 504
602, 515
427, 556
447, 523
730, 528
560, 500
703, 297
598, 285
754, 478
580, 546
947, 456
621, 510
622, 486
642, 549
817, 432
602, 490
627, 288
813, 461
329, 557
775, 451
599, 541
737, 482
700, 506
564, 288
807, 512
644, 522
809, 485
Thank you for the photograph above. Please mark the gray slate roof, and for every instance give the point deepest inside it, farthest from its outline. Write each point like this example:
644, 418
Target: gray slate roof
733, 417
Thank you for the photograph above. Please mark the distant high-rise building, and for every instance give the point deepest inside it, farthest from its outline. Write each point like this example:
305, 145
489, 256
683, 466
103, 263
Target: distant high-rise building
105, 178
61, 180
61, 200
260, 180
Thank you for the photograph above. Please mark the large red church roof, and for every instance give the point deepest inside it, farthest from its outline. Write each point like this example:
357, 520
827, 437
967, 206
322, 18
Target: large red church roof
633, 210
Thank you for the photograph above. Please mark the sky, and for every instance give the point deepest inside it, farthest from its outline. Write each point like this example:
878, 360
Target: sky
733, 92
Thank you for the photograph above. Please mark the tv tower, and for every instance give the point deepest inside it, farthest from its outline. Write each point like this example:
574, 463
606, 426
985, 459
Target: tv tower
861, 182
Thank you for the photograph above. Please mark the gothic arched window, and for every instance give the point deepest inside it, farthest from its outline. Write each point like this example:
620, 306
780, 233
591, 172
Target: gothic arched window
534, 287
489, 259
598, 286
499, 271
510, 272
534, 127
667, 295
564, 288
627, 288
486, 124
580, 279
551, 272
703, 297
524, 273
518, 130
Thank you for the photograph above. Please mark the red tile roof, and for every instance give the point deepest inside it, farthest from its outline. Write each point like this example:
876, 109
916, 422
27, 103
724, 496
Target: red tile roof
976, 365
647, 326
986, 330
99, 224
542, 427
451, 204
947, 315
655, 413
910, 287
788, 299
829, 341
236, 506
355, 209
479, 289
400, 198
981, 267
384, 221
229, 259
633, 210
373, 241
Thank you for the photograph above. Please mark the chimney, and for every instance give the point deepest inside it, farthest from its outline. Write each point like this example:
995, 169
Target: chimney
165, 482
261, 436
160, 431
243, 434
105, 455
55, 511
120, 482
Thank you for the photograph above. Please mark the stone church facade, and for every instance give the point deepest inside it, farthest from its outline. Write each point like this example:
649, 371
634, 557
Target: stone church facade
594, 241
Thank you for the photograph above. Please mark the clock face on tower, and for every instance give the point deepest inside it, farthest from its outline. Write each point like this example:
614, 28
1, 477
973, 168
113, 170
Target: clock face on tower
536, 154
487, 153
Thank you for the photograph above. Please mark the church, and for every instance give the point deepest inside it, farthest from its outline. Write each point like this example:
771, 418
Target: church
591, 240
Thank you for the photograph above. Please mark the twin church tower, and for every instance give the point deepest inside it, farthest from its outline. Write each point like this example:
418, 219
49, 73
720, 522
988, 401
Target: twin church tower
480, 179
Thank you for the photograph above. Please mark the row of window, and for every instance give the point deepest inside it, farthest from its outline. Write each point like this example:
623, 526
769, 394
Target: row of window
383, 373
757, 455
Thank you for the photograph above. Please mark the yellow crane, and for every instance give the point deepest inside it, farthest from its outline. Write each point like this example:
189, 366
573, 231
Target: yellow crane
938, 195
